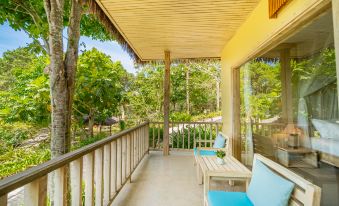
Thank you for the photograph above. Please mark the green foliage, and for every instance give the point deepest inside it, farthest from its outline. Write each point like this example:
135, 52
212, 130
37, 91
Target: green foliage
260, 83
122, 125
24, 88
146, 91
30, 16
18, 160
99, 85
221, 154
90, 140
180, 117
12, 135
320, 65
200, 117
200, 132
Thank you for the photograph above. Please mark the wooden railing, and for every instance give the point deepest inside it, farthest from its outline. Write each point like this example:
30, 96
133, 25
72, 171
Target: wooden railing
267, 129
183, 135
93, 174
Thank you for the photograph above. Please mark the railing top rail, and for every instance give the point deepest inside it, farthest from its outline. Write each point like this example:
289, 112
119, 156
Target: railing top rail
20, 179
272, 124
210, 122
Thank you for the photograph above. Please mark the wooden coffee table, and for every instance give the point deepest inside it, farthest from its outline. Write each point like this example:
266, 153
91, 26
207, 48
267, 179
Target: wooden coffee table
297, 157
208, 168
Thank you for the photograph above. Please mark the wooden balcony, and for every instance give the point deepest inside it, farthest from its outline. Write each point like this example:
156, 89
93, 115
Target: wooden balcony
121, 170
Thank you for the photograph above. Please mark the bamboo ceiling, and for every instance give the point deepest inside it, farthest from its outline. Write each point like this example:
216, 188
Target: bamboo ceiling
188, 29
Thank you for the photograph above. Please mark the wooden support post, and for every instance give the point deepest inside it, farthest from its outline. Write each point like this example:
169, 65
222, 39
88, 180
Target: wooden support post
166, 102
286, 83
335, 13
236, 144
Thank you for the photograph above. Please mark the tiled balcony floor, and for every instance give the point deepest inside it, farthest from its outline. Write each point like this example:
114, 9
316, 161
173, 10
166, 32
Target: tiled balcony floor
167, 181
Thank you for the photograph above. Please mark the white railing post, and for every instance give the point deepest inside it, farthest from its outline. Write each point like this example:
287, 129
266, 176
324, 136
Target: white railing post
89, 179
107, 172
76, 182
113, 168
60, 192
35, 192
98, 173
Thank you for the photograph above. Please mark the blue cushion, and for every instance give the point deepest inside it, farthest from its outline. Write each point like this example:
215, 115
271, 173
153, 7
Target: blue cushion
204, 152
267, 188
216, 198
219, 142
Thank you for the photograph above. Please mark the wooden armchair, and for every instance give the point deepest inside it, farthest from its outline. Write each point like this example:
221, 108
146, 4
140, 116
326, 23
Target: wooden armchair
198, 150
304, 192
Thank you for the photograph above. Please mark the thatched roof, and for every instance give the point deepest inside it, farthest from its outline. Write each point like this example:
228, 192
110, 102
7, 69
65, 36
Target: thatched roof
189, 29
95, 9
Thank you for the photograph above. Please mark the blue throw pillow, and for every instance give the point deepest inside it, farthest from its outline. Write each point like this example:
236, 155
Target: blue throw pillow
267, 188
219, 142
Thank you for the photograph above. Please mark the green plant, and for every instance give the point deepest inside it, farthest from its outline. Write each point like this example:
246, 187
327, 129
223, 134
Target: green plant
180, 117
122, 125
221, 154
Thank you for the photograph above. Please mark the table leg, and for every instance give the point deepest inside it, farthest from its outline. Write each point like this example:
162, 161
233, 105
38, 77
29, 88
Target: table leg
206, 187
199, 174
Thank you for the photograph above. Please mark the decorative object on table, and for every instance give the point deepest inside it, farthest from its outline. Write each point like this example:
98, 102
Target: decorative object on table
220, 157
293, 140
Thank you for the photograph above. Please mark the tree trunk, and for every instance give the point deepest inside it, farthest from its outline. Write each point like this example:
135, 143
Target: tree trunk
90, 125
122, 112
62, 71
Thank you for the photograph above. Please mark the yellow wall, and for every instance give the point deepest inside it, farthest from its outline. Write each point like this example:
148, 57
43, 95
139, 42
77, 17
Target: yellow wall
257, 35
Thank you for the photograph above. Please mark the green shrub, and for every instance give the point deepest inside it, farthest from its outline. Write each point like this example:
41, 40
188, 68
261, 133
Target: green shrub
90, 140
200, 117
180, 117
122, 125
201, 133
14, 133
20, 159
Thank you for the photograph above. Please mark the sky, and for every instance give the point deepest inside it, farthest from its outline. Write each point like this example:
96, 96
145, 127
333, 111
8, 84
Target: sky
11, 39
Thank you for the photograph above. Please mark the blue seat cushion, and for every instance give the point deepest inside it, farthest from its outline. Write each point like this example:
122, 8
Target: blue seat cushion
267, 188
204, 152
221, 198
219, 142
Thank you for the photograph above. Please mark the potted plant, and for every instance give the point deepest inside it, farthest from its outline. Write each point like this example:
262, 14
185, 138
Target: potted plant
220, 157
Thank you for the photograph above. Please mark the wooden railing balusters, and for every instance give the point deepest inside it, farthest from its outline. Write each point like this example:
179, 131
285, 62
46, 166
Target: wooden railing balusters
98, 176
3, 200
189, 136
104, 166
89, 179
107, 176
113, 169
153, 138
211, 139
35, 193
76, 182
60, 190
